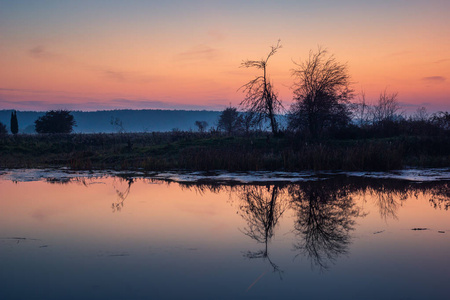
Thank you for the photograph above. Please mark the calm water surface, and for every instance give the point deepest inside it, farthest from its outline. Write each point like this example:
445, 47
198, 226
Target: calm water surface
134, 238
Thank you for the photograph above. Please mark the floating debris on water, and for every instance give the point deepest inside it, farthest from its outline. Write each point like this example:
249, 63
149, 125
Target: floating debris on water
118, 254
18, 238
420, 228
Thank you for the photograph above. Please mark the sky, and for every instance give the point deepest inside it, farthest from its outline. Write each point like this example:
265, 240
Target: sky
136, 54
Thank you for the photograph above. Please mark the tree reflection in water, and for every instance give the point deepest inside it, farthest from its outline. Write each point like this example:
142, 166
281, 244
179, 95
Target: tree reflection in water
387, 195
440, 196
121, 195
261, 207
326, 215
325, 211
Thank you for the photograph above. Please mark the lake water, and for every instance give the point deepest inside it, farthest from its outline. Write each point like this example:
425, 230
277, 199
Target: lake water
98, 236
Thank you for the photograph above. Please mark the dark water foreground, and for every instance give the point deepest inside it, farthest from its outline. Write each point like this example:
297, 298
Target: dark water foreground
239, 236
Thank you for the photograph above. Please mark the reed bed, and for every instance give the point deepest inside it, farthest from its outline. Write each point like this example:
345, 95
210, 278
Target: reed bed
217, 151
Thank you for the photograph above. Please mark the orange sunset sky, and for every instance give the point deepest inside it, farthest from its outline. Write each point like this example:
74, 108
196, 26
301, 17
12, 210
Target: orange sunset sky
91, 55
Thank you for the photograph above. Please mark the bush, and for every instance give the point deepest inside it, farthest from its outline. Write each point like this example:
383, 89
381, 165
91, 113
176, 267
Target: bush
55, 121
3, 130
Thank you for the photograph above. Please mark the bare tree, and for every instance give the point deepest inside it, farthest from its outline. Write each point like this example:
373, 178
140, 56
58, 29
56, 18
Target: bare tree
362, 109
421, 115
117, 122
321, 93
441, 119
201, 125
250, 120
387, 107
260, 97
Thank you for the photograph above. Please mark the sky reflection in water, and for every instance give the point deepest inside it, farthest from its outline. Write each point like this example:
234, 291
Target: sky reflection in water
134, 238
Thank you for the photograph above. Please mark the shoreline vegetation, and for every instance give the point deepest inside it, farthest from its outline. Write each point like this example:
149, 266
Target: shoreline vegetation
196, 151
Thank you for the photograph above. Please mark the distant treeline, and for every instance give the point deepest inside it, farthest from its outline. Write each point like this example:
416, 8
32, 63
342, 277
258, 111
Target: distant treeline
239, 142
146, 120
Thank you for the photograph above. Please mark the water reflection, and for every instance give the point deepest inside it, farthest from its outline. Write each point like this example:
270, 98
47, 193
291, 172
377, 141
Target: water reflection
389, 195
261, 207
59, 231
122, 193
326, 211
440, 196
326, 215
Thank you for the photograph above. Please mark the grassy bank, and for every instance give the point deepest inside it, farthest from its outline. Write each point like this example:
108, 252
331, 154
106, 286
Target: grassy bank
208, 151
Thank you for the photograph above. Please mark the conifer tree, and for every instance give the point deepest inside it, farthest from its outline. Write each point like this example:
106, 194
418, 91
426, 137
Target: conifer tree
14, 123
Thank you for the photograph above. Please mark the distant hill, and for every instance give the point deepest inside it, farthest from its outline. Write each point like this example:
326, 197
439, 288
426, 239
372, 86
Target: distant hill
146, 120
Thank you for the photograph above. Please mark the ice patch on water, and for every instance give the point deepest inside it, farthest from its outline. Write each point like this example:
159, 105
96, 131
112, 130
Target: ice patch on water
56, 175
239, 177
66, 175
419, 175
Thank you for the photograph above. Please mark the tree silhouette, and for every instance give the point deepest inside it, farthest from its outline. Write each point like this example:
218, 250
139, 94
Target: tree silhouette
250, 120
322, 92
14, 123
229, 120
386, 108
117, 122
3, 130
201, 125
260, 96
55, 121
441, 119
